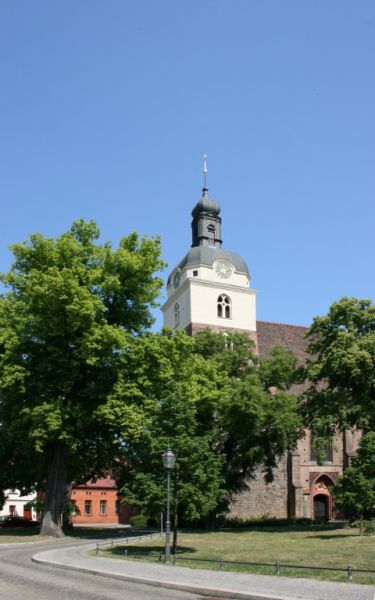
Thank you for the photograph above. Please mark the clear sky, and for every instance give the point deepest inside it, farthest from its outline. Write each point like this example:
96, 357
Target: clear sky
107, 107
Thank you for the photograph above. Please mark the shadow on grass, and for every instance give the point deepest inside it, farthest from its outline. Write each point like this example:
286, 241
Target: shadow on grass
333, 537
19, 531
145, 551
269, 529
106, 532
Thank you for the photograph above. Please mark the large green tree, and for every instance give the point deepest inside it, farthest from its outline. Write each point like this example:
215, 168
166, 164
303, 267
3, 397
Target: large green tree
69, 314
341, 369
221, 412
167, 383
258, 415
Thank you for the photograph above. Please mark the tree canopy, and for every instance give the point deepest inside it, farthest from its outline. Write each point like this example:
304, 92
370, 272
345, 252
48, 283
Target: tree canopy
70, 309
207, 398
342, 368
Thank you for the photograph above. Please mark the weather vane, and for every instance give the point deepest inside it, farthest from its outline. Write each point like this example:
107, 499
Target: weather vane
205, 170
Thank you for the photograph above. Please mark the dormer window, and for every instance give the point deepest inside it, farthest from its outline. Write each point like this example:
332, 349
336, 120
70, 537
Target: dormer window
224, 307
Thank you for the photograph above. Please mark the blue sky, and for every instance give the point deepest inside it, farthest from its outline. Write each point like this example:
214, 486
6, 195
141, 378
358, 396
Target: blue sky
106, 109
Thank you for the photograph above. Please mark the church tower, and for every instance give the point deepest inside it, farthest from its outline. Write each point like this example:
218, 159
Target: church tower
210, 286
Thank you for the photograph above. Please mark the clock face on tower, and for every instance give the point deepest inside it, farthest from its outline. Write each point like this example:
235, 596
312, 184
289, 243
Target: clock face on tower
223, 269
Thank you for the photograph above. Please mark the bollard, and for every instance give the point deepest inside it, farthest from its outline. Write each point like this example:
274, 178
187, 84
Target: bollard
221, 562
97, 549
350, 572
277, 567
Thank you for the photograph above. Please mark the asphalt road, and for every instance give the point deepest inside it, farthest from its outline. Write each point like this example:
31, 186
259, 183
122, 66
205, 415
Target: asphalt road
20, 579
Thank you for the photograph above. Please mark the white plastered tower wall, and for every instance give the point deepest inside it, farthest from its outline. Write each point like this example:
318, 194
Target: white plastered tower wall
196, 298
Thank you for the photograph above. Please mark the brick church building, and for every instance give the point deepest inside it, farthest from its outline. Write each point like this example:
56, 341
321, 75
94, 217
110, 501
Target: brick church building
210, 287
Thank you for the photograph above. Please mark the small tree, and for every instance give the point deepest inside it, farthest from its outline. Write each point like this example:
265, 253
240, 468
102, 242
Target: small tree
355, 490
341, 369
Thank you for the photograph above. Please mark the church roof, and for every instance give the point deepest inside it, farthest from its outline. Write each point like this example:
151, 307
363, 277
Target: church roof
280, 334
206, 204
291, 337
207, 255
101, 482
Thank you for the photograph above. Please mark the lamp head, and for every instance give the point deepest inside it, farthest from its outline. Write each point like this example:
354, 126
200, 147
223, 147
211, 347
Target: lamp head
169, 460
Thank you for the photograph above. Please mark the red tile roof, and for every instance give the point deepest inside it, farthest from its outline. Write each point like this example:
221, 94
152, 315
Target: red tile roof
280, 334
288, 336
101, 482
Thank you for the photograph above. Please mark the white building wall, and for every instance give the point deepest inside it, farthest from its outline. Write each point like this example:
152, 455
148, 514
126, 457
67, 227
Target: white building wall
13, 498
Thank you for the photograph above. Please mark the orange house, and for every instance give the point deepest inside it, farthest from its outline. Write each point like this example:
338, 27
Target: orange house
98, 502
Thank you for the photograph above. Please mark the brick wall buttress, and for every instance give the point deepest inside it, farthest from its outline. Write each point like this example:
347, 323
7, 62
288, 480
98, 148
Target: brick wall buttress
263, 499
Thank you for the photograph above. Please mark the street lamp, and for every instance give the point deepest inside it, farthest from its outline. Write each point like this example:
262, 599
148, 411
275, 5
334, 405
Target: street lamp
169, 460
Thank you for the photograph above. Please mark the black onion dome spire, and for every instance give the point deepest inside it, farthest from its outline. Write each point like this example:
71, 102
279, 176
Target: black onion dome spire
206, 237
206, 205
206, 223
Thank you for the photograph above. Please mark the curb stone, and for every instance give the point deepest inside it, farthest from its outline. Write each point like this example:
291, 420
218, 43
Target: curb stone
183, 587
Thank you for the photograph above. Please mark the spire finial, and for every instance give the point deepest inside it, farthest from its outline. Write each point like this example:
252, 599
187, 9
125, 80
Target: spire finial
205, 171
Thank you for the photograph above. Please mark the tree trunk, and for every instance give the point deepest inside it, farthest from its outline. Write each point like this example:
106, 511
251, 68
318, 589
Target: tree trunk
55, 492
67, 516
361, 524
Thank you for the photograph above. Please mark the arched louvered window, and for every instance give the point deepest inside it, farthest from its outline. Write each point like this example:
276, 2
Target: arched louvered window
224, 307
176, 314
211, 235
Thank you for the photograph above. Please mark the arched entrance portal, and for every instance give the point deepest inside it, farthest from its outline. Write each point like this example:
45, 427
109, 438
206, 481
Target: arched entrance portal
322, 498
321, 507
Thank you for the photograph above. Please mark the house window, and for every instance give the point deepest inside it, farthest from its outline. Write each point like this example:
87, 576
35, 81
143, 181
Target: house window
195, 273
176, 314
88, 507
224, 307
103, 507
12, 510
117, 507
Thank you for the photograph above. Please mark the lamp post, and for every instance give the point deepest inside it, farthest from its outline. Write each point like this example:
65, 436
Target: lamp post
169, 460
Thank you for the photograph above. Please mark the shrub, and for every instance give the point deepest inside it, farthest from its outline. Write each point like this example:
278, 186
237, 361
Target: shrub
369, 527
139, 520
264, 521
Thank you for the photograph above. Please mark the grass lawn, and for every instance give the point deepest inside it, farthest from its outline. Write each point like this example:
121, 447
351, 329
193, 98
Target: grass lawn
320, 546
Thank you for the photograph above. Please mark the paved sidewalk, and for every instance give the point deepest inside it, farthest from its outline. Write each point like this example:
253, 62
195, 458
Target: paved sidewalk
211, 583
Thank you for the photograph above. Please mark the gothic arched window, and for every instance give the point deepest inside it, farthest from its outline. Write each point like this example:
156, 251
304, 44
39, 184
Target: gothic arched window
224, 307
176, 314
326, 453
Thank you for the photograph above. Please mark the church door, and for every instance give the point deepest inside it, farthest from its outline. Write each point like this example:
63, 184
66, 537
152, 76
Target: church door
321, 507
